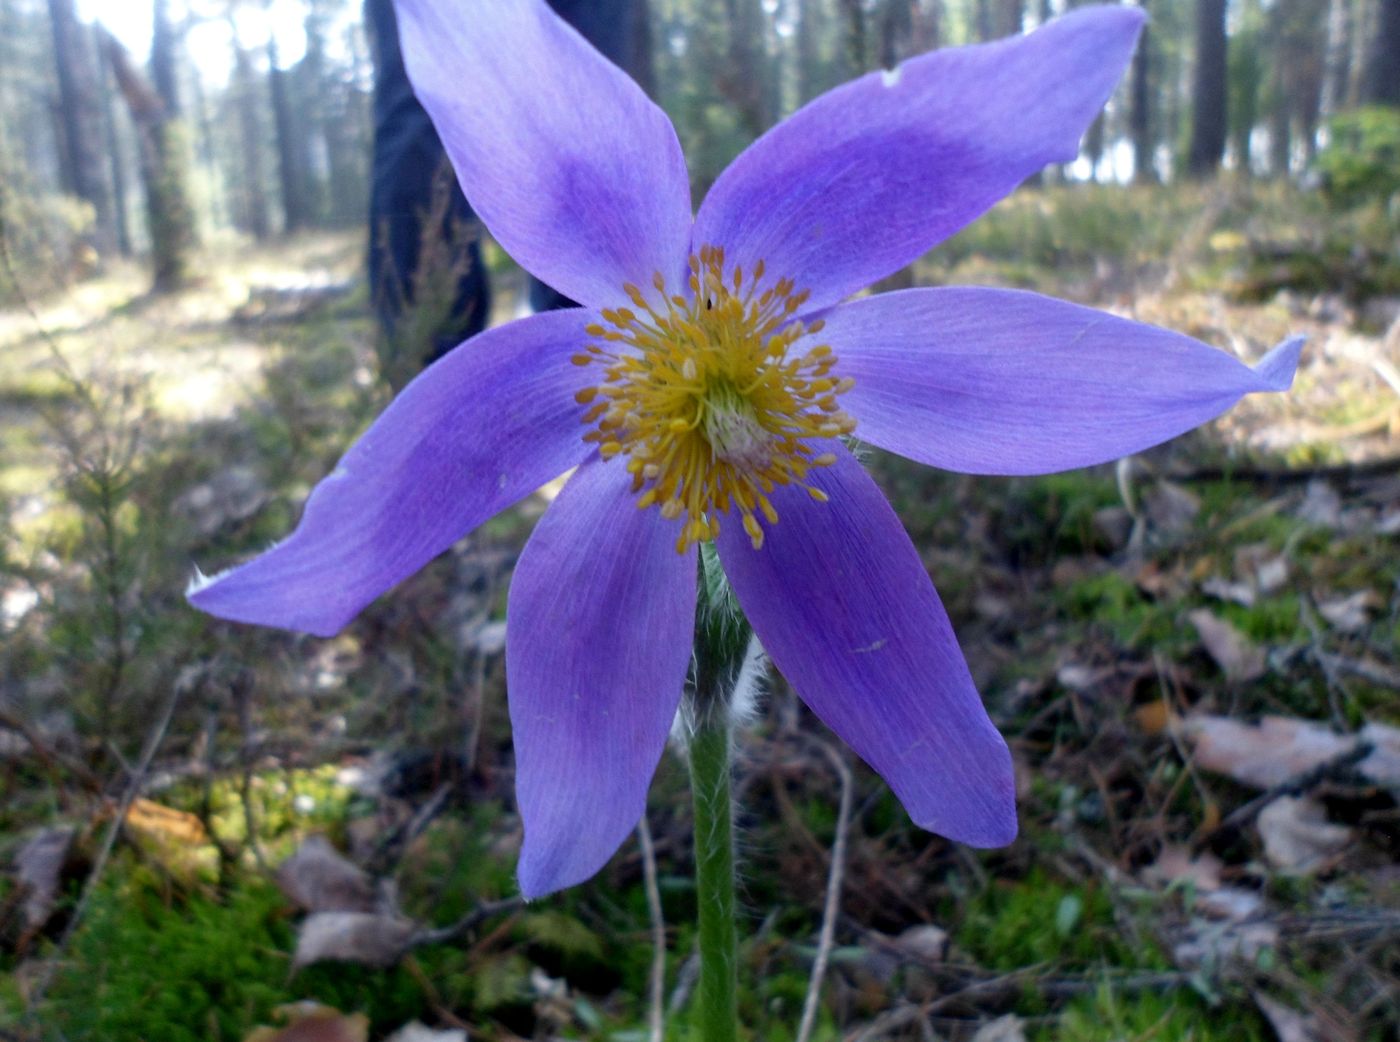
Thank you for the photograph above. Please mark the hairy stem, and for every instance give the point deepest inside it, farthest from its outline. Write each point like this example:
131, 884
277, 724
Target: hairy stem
714, 878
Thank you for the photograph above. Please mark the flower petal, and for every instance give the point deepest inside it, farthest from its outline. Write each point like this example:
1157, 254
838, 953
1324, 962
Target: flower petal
484, 426
993, 381
599, 628
569, 165
843, 606
873, 174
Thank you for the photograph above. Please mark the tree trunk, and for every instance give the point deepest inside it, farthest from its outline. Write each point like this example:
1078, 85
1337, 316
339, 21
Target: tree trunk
1338, 55
80, 119
1209, 122
162, 170
291, 143
1382, 85
254, 209
163, 58
115, 158
1140, 112
855, 41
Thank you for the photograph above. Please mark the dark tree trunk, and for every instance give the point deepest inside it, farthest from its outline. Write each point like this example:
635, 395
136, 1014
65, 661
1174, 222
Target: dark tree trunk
1006, 17
162, 170
1382, 86
642, 61
986, 22
254, 209
115, 156
1337, 63
291, 165
163, 59
928, 25
805, 44
742, 81
81, 122
856, 46
1209, 123
1140, 111
896, 32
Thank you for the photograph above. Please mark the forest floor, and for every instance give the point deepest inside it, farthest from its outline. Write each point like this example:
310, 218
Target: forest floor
1195, 656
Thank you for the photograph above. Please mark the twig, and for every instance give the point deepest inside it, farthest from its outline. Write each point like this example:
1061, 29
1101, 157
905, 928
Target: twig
478, 915
831, 909
1299, 783
656, 1019
99, 864
51, 758
686, 977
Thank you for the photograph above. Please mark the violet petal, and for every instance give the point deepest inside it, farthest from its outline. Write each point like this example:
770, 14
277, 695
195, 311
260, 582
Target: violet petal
572, 169
871, 175
842, 604
478, 430
995, 381
599, 627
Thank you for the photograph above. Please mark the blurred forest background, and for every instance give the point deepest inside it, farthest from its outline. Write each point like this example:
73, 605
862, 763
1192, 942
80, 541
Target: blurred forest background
1195, 654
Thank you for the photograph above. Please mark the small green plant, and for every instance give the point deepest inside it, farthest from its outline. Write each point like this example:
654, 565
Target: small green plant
1362, 162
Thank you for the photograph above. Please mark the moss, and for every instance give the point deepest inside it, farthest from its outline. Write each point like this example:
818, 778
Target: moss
1176, 1016
1040, 920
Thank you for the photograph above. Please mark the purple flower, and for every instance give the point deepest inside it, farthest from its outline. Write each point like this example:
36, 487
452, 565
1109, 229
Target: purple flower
707, 380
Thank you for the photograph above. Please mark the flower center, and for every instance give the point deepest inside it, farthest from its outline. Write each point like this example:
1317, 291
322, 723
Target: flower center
713, 396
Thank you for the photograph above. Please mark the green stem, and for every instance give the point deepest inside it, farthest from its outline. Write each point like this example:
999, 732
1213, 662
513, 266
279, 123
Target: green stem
714, 879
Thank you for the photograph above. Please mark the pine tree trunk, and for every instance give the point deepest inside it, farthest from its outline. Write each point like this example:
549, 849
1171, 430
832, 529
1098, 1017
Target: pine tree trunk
1209, 108
81, 123
291, 167
1382, 86
163, 170
115, 158
1140, 112
256, 221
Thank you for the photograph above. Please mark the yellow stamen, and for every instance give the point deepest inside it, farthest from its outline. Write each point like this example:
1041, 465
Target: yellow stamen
714, 395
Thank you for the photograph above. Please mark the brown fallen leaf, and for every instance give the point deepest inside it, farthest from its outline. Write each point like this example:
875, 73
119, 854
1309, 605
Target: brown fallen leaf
1237, 656
312, 1022
1008, 1028
1176, 865
1288, 1024
372, 940
1297, 835
1265, 754
39, 872
1216, 944
1349, 614
416, 1032
318, 879
165, 824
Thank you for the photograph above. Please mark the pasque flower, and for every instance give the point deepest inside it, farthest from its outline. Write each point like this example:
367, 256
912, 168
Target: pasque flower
703, 391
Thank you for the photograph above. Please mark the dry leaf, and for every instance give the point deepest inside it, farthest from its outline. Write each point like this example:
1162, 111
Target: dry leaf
1153, 717
1297, 835
1176, 865
1288, 1024
1171, 508
1225, 590
1382, 766
1321, 505
1349, 614
374, 940
317, 879
924, 942
1004, 1029
165, 824
416, 1032
1214, 944
1273, 751
312, 1022
38, 871
1239, 658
